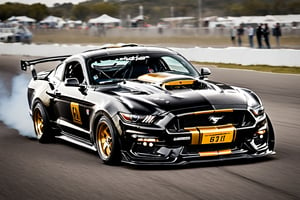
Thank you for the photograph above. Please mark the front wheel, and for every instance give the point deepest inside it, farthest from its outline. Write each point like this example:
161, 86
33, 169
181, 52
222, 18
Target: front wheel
107, 142
41, 124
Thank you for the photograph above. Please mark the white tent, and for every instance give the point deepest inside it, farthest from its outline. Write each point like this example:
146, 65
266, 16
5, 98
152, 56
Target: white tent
53, 21
104, 19
21, 19
138, 18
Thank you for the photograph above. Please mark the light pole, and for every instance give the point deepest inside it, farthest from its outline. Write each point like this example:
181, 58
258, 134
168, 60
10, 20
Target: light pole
200, 13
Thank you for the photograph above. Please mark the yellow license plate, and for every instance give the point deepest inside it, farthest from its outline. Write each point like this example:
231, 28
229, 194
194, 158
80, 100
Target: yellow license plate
217, 135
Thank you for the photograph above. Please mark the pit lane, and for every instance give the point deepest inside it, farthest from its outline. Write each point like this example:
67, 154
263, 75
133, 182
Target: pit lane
29, 170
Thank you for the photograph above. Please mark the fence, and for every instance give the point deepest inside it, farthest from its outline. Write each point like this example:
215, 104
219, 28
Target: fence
157, 32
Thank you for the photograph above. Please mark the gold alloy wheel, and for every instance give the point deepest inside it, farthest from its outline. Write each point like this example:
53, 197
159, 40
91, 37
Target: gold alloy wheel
104, 140
38, 123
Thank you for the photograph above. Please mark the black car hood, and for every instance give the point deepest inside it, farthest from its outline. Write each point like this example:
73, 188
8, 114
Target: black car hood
144, 95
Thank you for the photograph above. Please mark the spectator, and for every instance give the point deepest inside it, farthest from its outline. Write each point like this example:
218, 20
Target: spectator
232, 35
259, 34
250, 31
266, 34
277, 33
240, 33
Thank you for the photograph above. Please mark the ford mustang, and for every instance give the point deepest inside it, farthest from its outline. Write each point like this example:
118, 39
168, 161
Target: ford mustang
145, 106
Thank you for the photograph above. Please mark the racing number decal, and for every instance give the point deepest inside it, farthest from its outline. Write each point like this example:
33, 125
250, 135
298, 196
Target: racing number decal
75, 113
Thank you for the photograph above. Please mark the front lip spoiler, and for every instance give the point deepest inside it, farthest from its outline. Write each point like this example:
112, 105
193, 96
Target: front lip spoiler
189, 160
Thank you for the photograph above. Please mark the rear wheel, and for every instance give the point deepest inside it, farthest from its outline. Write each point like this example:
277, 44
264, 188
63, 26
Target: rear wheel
41, 124
107, 142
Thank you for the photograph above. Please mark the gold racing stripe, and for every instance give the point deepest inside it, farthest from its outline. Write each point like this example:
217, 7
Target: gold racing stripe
153, 77
195, 135
179, 82
211, 111
215, 153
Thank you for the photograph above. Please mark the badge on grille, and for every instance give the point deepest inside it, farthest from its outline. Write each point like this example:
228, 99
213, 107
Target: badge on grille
215, 119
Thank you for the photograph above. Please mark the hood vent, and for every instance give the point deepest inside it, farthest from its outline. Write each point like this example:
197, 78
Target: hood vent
169, 81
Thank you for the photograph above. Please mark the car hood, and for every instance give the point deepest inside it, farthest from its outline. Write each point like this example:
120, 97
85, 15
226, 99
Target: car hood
169, 92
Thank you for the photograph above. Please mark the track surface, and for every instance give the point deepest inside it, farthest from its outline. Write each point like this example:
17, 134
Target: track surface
29, 170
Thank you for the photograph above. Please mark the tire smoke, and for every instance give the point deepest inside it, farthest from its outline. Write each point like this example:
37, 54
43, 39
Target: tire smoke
14, 106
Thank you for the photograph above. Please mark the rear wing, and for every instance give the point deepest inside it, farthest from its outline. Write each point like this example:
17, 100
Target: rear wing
31, 63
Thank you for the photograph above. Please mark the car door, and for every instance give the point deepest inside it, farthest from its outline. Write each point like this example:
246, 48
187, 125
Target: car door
69, 105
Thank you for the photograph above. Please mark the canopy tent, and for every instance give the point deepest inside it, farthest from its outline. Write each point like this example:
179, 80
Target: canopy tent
53, 21
138, 18
104, 19
21, 19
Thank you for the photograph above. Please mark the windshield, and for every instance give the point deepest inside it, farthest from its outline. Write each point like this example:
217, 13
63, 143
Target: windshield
124, 67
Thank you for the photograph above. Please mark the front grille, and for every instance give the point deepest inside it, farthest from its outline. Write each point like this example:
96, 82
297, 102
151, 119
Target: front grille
238, 118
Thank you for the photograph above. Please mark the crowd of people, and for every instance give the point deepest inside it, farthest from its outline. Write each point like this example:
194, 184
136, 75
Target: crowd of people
262, 33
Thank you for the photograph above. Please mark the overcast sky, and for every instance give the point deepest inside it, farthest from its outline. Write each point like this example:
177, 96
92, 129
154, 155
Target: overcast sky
49, 3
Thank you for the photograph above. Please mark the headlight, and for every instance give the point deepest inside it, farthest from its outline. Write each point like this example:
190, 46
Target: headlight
138, 119
258, 111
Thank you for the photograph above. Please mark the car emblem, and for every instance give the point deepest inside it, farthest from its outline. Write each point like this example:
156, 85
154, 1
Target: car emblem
214, 119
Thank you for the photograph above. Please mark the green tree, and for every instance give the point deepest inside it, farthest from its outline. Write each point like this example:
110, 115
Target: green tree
80, 11
105, 8
38, 11
294, 7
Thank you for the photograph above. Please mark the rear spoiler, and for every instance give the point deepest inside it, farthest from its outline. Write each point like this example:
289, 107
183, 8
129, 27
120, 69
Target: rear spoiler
31, 63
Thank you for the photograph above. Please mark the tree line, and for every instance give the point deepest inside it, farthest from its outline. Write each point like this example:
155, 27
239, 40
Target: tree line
153, 10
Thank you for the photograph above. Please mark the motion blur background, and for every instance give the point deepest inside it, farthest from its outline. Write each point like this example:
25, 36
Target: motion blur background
183, 22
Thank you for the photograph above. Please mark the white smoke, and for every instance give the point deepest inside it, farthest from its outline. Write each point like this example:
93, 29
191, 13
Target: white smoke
14, 107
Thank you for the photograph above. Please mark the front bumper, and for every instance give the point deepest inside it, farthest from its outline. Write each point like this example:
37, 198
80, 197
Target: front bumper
175, 156
179, 149
158, 146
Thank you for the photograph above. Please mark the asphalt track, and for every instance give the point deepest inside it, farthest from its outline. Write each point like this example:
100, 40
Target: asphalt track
29, 170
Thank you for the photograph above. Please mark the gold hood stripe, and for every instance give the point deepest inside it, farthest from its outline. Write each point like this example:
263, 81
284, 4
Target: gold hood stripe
166, 79
179, 82
215, 153
153, 77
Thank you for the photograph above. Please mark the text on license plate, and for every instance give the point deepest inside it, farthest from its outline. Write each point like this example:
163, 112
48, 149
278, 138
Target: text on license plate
217, 135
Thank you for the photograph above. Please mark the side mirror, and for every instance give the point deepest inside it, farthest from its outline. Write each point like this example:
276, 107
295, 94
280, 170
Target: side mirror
205, 71
73, 82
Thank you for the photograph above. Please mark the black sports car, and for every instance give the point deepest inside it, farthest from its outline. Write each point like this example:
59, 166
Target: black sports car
146, 106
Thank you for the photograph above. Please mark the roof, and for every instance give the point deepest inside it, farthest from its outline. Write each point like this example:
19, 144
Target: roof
126, 49
21, 19
51, 19
104, 19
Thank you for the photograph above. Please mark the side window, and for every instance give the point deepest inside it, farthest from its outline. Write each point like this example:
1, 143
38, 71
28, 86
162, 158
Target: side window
74, 70
175, 65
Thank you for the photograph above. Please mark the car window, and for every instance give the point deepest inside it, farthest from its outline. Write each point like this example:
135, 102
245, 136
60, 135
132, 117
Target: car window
74, 70
175, 65
117, 67
103, 69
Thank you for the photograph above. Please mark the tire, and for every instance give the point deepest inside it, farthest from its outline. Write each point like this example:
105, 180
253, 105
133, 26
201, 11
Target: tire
107, 142
41, 124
